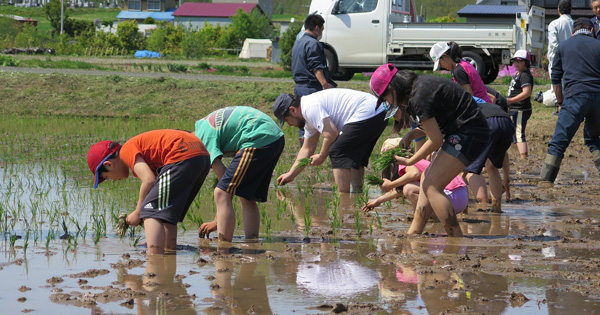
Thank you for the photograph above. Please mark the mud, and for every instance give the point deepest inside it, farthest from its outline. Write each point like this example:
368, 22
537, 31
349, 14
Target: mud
540, 255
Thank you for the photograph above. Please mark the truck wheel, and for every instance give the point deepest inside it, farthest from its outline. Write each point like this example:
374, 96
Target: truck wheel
492, 74
338, 74
477, 62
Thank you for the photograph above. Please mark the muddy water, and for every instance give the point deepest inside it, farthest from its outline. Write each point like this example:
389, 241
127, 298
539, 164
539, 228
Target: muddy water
542, 255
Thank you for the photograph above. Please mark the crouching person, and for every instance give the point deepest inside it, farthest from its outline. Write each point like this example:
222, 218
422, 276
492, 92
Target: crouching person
172, 165
255, 142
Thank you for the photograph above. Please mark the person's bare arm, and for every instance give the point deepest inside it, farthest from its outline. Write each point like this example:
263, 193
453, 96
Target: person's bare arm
321, 78
434, 142
308, 148
145, 174
526, 93
330, 134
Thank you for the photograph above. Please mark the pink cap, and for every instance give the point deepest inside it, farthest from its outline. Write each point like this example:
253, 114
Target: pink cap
96, 156
380, 80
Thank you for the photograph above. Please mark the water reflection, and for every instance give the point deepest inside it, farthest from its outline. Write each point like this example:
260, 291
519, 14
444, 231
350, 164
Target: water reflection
162, 291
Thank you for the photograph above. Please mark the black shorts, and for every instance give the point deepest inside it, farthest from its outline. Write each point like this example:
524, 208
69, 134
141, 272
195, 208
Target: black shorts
502, 131
356, 141
468, 143
249, 173
175, 188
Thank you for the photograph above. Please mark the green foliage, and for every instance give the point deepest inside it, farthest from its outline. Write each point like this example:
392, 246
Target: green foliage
52, 10
129, 35
28, 37
198, 43
8, 31
443, 19
286, 43
149, 20
177, 67
244, 25
75, 27
434, 8
166, 39
8, 61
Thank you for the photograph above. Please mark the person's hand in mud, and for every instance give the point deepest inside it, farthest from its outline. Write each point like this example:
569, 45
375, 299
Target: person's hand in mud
285, 178
370, 205
206, 228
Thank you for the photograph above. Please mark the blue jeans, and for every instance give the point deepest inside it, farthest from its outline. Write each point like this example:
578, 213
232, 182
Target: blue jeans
576, 109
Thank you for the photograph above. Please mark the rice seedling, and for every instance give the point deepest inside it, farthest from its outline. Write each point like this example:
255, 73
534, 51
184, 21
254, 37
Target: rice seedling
13, 239
357, 223
387, 158
303, 162
307, 219
373, 180
122, 225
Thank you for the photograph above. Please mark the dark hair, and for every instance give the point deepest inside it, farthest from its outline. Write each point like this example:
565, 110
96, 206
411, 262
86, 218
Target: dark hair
312, 21
111, 146
582, 23
454, 52
564, 7
402, 83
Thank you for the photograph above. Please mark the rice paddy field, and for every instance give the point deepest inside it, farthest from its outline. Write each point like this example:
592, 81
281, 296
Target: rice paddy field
317, 252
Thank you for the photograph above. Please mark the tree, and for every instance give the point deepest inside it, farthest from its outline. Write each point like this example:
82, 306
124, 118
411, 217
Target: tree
166, 39
286, 43
244, 25
52, 11
129, 35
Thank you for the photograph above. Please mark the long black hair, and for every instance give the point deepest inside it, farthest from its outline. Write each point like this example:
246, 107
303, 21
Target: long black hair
402, 83
454, 52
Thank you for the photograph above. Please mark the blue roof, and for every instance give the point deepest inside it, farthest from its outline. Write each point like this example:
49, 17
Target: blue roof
491, 9
140, 15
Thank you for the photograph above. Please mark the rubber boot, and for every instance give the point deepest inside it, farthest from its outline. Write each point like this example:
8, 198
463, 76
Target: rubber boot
550, 168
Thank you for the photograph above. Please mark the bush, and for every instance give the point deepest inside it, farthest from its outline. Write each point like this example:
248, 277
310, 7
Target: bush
149, 20
286, 43
166, 39
7, 61
130, 37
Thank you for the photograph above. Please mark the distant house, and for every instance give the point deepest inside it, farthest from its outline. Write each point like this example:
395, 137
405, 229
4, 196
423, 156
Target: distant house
20, 19
499, 11
139, 10
265, 5
194, 14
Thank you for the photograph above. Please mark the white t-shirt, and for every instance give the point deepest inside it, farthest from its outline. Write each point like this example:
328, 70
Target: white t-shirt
342, 106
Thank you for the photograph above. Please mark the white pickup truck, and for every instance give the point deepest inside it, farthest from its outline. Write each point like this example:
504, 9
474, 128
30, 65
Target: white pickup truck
360, 35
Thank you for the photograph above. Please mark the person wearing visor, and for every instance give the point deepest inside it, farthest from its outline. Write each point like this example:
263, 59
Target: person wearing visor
172, 165
450, 118
350, 123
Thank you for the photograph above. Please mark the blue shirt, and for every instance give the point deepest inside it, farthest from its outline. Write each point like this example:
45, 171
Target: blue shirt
577, 63
308, 55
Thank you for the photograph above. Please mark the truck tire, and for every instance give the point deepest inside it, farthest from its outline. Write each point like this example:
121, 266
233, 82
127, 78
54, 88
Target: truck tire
337, 74
477, 61
492, 74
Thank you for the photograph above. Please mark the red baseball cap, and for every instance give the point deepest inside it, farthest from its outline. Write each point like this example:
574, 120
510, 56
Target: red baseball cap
96, 156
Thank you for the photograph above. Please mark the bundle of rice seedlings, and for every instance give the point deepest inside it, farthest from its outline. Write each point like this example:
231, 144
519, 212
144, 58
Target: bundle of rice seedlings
387, 158
373, 180
303, 162
122, 225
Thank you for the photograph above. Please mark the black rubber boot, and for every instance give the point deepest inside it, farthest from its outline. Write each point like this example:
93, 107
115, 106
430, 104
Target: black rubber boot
550, 168
596, 157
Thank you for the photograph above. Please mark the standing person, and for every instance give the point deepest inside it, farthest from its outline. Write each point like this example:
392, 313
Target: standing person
452, 121
449, 56
172, 165
559, 30
350, 123
309, 66
596, 19
577, 65
255, 142
519, 98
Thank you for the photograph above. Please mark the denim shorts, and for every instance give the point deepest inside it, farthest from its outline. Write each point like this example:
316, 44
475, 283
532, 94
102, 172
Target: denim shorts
468, 142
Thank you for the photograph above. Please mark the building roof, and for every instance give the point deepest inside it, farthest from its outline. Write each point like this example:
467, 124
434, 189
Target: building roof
196, 9
141, 15
480, 9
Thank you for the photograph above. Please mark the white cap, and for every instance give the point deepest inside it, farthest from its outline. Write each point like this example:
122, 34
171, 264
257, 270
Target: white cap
436, 52
521, 55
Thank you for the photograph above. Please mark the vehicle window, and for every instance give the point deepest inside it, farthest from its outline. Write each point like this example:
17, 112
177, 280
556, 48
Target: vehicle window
357, 6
